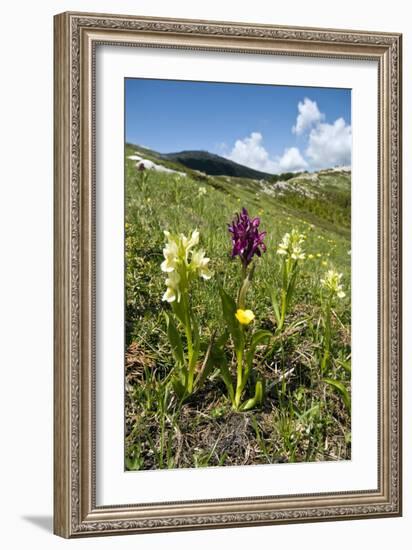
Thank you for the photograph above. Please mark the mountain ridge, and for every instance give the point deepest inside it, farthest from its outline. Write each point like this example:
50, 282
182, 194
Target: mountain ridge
212, 164
215, 165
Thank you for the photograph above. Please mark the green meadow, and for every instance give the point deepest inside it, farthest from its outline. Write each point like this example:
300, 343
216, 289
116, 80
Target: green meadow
304, 412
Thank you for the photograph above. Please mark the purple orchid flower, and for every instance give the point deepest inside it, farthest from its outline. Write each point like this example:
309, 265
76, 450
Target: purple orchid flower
246, 239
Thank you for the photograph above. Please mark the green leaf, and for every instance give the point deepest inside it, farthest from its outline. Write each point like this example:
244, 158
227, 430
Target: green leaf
227, 379
229, 312
178, 387
275, 306
345, 364
291, 287
257, 399
325, 361
310, 413
340, 387
178, 309
196, 340
208, 362
216, 357
259, 336
221, 341
284, 274
134, 461
174, 339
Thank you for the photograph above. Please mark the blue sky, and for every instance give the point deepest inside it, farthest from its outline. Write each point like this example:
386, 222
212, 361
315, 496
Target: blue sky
270, 128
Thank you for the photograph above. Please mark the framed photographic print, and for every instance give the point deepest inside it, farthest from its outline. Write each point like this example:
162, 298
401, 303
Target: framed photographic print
227, 274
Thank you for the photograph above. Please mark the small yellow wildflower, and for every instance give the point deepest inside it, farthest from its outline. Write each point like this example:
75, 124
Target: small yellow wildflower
245, 316
319, 255
311, 256
324, 263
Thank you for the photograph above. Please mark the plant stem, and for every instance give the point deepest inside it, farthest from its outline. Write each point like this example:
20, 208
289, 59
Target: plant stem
326, 352
239, 381
282, 310
190, 354
241, 297
285, 274
189, 339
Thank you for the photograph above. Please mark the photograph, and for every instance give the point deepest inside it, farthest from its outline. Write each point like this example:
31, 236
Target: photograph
237, 274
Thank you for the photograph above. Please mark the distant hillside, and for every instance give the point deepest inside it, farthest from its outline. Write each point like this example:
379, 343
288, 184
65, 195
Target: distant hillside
322, 197
325, 194
214, 165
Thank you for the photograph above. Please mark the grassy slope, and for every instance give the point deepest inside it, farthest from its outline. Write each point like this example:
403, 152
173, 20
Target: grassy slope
325, 195
166, 202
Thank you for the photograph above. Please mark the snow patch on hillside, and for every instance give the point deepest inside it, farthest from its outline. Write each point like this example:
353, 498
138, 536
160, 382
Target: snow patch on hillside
150, 165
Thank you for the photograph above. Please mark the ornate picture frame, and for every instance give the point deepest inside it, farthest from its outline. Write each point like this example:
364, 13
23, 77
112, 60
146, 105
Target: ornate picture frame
76, 36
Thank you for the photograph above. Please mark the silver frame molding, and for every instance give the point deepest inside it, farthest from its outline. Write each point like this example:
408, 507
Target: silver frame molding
76, 36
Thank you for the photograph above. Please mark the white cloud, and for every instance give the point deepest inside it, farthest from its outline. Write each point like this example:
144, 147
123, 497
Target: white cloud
330, 144
291, 161
327, 145
251, 152
309, 115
